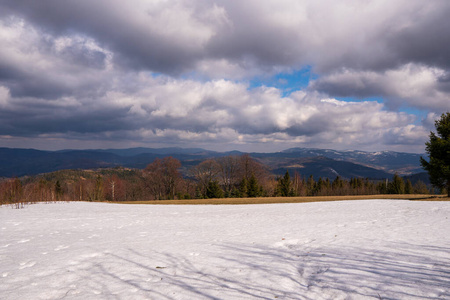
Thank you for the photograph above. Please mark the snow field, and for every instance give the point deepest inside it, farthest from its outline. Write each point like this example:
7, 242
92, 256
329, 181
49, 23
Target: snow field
369, 249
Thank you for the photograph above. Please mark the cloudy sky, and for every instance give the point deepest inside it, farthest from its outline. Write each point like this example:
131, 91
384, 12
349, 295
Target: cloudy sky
248, 75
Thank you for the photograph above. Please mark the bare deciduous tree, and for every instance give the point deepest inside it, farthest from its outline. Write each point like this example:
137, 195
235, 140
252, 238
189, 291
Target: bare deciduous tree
162, 177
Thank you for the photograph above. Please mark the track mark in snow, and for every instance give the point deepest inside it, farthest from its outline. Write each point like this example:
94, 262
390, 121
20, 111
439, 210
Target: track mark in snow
5, 274
61, 247
23, 241
92, 255
25, 265
154, 279
290, 244
6, 246
73, 262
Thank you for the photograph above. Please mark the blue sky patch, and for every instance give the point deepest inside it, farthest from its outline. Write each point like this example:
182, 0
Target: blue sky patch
287, 82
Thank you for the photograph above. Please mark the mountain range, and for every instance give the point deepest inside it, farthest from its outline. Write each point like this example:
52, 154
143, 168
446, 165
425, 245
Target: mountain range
306, 161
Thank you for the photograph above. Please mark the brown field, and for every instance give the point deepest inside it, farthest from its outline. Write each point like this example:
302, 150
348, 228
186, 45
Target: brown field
270, 200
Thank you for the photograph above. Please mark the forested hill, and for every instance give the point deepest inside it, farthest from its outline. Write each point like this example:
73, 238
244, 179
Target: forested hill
316, 162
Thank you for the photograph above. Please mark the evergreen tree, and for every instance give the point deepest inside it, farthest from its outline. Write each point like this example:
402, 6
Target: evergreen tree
319, 187
337, 186
397, 186
253, 189
98, 196
382, 187
408, 187
284, 185
310, 186
58, 190
213, 190
243, 188
438, 149
198, 193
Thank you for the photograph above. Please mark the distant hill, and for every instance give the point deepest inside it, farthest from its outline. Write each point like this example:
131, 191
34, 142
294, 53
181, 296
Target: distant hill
321, 166
389, 161
316, 162
19, 162
423, 176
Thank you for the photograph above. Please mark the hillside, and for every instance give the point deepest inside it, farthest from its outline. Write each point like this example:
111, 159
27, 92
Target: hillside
316, 162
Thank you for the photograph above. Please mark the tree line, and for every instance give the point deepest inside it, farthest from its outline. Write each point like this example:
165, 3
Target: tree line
223, 177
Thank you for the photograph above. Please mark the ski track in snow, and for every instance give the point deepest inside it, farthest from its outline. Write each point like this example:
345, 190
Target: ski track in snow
370, 249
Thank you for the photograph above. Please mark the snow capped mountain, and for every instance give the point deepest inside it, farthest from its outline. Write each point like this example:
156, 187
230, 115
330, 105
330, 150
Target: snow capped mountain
389, 161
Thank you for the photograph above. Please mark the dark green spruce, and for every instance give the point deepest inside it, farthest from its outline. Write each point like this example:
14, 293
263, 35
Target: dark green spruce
438, 149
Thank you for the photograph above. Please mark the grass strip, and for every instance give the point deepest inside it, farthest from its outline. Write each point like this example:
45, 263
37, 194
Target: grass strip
271, 200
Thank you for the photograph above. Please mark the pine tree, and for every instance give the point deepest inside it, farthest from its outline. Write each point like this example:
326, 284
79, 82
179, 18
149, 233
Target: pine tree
438, 149
243, 188
310, 186
253, 189
98, 196
58, 190
408, 187
397, 186
284, 185
213, 190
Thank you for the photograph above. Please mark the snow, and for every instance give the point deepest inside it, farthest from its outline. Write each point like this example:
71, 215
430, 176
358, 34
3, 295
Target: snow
368, 249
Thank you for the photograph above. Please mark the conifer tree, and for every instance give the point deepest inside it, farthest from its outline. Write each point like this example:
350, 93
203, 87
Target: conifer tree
310, 186
243, 188
58, 190
213, 190
253, 189
397, 186
284, 185
438, 149
408, 187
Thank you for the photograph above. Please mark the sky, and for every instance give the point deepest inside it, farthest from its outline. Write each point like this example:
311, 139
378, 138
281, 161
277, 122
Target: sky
248, 75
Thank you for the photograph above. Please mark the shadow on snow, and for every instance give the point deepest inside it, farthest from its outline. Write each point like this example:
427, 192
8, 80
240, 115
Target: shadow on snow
401, 271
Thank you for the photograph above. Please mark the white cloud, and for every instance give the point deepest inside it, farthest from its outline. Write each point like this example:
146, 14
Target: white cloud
409, 85
167, 71
166, 110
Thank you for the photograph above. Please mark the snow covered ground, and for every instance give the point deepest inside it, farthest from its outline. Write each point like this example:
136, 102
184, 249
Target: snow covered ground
370, 249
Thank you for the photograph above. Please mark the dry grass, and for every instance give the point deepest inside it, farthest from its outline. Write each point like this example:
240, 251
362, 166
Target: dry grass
270, 200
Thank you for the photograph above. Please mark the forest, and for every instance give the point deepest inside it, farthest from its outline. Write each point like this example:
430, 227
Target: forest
224, 177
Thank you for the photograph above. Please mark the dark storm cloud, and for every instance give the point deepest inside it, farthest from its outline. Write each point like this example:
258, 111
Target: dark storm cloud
252, 34
444, 82
38, 120
425, 39
136, 44
346, 85
249, 39
415, 86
